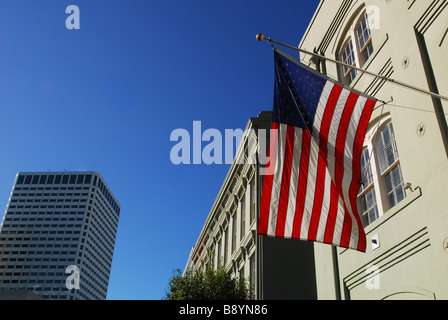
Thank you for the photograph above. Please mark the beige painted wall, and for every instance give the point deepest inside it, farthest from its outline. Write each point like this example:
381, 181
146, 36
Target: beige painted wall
411, 260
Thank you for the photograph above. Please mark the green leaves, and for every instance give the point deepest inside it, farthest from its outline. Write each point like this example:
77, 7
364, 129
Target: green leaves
209, 285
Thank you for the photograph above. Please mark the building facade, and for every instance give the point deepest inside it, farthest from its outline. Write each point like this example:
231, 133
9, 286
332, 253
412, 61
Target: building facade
404, 163
402, 201
275, 268
57, 236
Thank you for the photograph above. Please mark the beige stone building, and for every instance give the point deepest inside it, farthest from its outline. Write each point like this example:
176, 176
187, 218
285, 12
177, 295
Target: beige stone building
275, 268
403, 198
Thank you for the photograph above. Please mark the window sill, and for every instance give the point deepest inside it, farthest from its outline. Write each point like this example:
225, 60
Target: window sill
413, 196
410, 198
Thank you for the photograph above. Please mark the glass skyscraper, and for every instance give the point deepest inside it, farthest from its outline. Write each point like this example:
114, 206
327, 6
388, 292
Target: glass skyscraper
57, 236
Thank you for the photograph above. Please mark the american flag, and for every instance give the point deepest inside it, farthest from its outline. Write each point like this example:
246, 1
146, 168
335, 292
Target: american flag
318, 131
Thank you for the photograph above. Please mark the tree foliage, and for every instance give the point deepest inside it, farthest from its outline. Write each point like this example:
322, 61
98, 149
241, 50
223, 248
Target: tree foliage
209, 285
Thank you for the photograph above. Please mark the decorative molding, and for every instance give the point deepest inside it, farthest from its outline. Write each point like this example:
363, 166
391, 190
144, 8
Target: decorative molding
408, 247
430, 15
335, 25
375, 86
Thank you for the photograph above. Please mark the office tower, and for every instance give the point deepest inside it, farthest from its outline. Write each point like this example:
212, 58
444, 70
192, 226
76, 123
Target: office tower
58, 235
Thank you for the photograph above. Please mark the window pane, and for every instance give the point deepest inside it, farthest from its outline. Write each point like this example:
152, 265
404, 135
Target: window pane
395, 188
225, 245
368, 207
35, 179
348, 57
234, 232
219, 252
389, 183
80, 179
50, 179
20, 179
253, 201
58, 179
386, 148
363, 32
65, 179
386, 136
72, 179
243, 217
367, 52
366, 170
364, 38
43, 179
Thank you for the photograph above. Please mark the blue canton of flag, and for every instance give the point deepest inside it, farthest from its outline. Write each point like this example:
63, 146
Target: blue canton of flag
296, 93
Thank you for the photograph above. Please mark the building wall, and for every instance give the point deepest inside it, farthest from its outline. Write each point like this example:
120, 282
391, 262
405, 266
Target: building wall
227, 239
275, 268
411, 260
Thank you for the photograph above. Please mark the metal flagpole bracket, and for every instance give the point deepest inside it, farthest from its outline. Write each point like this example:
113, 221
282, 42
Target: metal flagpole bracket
260, 37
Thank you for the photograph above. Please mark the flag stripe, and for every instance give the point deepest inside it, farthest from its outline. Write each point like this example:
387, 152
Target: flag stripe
322, 206
293, 186
340, 170
276, 183
357, 149
268, 177
310, 189
336, 214
302, 184
312, 195
322, 179
329, 233
285, 182
348, 163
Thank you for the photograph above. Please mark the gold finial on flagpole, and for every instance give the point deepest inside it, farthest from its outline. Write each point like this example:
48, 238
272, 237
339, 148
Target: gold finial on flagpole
260, 37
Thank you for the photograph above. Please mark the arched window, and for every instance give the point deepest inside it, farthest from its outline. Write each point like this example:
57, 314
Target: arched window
367, 196
382, 182
389, 166
347, 56
357, 47
364, 37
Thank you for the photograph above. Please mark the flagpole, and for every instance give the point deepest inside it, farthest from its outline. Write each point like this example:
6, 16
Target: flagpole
260, 37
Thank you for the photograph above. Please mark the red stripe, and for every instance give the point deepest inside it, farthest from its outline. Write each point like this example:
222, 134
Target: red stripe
339, 163
286, 178
265, 202
357, 149
302, 183
346, 229
322, 161
332, 214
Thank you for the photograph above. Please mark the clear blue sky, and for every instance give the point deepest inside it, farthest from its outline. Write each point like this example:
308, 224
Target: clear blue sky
106, 98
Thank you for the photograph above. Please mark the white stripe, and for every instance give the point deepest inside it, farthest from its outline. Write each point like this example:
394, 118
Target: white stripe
325, 207
337, 234
314, 159
277, 180
348, 163
295, 173
334, 129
